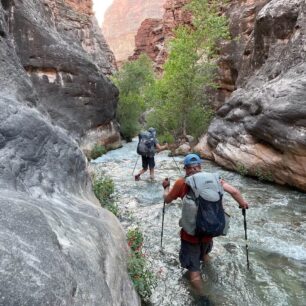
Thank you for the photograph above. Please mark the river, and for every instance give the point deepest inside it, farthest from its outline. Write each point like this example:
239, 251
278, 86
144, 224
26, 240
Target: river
276, 222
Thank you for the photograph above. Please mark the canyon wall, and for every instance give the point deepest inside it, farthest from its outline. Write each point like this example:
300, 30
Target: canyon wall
122, 20
153, 35
58, 246
261, 129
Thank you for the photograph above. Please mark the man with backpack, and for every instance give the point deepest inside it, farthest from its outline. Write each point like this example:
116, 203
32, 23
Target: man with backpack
146, 147
202, 213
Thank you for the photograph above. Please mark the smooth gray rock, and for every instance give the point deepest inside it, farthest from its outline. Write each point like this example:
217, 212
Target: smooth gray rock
57, 245
69, 81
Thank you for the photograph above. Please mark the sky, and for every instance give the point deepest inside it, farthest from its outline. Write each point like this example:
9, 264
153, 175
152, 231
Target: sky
100, 7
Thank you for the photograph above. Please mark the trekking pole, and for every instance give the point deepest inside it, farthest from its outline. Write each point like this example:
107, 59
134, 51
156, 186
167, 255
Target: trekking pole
135, 165
246, 237
177, 165
162, 231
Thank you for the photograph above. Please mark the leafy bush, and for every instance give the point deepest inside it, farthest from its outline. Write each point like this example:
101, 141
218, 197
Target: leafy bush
97, 151
241, 169
103, 189
135, 82
167, 137
142, 277
264, 175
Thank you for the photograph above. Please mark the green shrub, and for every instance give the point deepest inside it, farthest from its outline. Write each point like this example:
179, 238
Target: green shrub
103, 189
135, 239
113, 208
135, 81
140, 273
167, 137
241, 169
264, 175
97, 151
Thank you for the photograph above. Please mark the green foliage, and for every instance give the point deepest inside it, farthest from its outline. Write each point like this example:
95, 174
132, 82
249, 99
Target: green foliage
135, 81
166, 138
103, 188
264, 175
138, 268
97, 151
241, 169
181, 106
135, 239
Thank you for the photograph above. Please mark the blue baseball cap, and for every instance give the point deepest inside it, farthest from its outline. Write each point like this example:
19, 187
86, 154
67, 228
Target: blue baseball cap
192, 159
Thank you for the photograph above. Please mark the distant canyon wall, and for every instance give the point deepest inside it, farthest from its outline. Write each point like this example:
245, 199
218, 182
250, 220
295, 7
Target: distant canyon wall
122, 20
58, 246
154, 34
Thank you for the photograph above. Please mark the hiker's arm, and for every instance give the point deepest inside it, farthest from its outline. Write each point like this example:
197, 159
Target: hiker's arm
175, 192
235, 193
160, 148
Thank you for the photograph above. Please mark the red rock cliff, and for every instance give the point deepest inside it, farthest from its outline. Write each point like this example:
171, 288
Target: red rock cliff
153, 34
122, 20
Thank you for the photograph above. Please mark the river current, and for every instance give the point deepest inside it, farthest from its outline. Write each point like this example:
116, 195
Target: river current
276, 228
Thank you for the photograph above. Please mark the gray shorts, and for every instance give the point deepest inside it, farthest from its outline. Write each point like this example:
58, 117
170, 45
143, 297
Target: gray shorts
192, 254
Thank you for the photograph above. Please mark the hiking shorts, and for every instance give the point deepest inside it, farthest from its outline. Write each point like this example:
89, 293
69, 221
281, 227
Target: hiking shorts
191, 254
148, 162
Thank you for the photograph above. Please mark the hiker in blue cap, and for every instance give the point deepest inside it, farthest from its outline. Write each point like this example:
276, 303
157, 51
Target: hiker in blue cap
196, 242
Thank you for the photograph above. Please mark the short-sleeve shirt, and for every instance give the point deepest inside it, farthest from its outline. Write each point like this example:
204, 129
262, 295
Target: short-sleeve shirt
179, 190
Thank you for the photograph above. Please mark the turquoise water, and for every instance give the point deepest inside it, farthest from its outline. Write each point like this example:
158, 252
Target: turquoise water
276, 224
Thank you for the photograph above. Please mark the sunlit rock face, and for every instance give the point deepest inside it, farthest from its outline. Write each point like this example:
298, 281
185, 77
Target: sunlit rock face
262, 126
153, 34
58, 246
122, 20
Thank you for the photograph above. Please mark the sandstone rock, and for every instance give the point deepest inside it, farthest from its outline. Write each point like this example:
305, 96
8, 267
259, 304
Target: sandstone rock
183, 149
269, 106
203, 148
122, 20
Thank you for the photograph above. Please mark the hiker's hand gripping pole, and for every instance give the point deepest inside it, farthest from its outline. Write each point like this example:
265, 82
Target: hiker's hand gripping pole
246, 237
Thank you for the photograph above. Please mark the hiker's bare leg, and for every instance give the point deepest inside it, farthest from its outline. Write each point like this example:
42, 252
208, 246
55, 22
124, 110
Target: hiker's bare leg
206, 258
152, 174
142, 171
196, 282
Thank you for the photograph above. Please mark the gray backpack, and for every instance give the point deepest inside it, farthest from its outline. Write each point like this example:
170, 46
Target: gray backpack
202, 212
146, 144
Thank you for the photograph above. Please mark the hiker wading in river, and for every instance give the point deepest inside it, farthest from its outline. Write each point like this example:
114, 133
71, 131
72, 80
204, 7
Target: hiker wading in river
208, 187
147, 146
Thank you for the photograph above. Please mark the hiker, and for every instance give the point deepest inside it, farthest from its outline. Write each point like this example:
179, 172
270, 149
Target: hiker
146, 148
195, 248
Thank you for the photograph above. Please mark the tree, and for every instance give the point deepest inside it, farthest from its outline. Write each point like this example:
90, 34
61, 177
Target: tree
190, 68
133, 80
